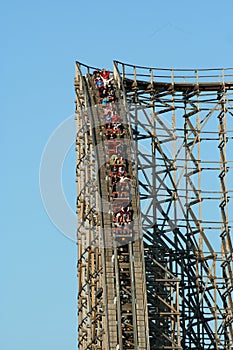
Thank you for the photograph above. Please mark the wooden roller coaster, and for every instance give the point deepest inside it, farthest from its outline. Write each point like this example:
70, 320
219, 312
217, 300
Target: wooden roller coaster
155, 187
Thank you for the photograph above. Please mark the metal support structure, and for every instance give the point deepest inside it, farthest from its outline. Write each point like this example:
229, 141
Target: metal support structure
170, 285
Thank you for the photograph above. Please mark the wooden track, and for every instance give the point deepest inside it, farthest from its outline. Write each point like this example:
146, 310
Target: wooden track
174, 290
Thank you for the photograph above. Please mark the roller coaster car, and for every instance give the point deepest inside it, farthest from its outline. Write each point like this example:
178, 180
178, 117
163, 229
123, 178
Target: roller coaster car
117, 170
121, 187
125, 194
111, 146
123, 232
120, 195
118, 204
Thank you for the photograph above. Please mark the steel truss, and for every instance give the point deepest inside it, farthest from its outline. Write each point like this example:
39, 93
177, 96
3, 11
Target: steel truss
179, 133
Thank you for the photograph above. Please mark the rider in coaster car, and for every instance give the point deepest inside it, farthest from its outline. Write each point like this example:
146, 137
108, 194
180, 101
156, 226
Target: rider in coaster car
103, 96
98, 80
108, 121
105, 75
125, 214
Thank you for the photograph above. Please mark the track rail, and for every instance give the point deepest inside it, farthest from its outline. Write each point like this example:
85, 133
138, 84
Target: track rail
124, 315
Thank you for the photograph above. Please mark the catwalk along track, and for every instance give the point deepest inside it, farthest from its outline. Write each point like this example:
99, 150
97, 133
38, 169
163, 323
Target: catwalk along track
154, 203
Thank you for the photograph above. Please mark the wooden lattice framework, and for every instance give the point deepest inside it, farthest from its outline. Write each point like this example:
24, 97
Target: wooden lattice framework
179, 264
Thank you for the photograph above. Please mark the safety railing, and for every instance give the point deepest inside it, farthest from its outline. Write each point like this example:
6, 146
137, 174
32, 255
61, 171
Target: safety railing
170, 75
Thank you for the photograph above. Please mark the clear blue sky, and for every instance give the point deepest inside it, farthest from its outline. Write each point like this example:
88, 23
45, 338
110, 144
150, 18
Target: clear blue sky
40, 42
